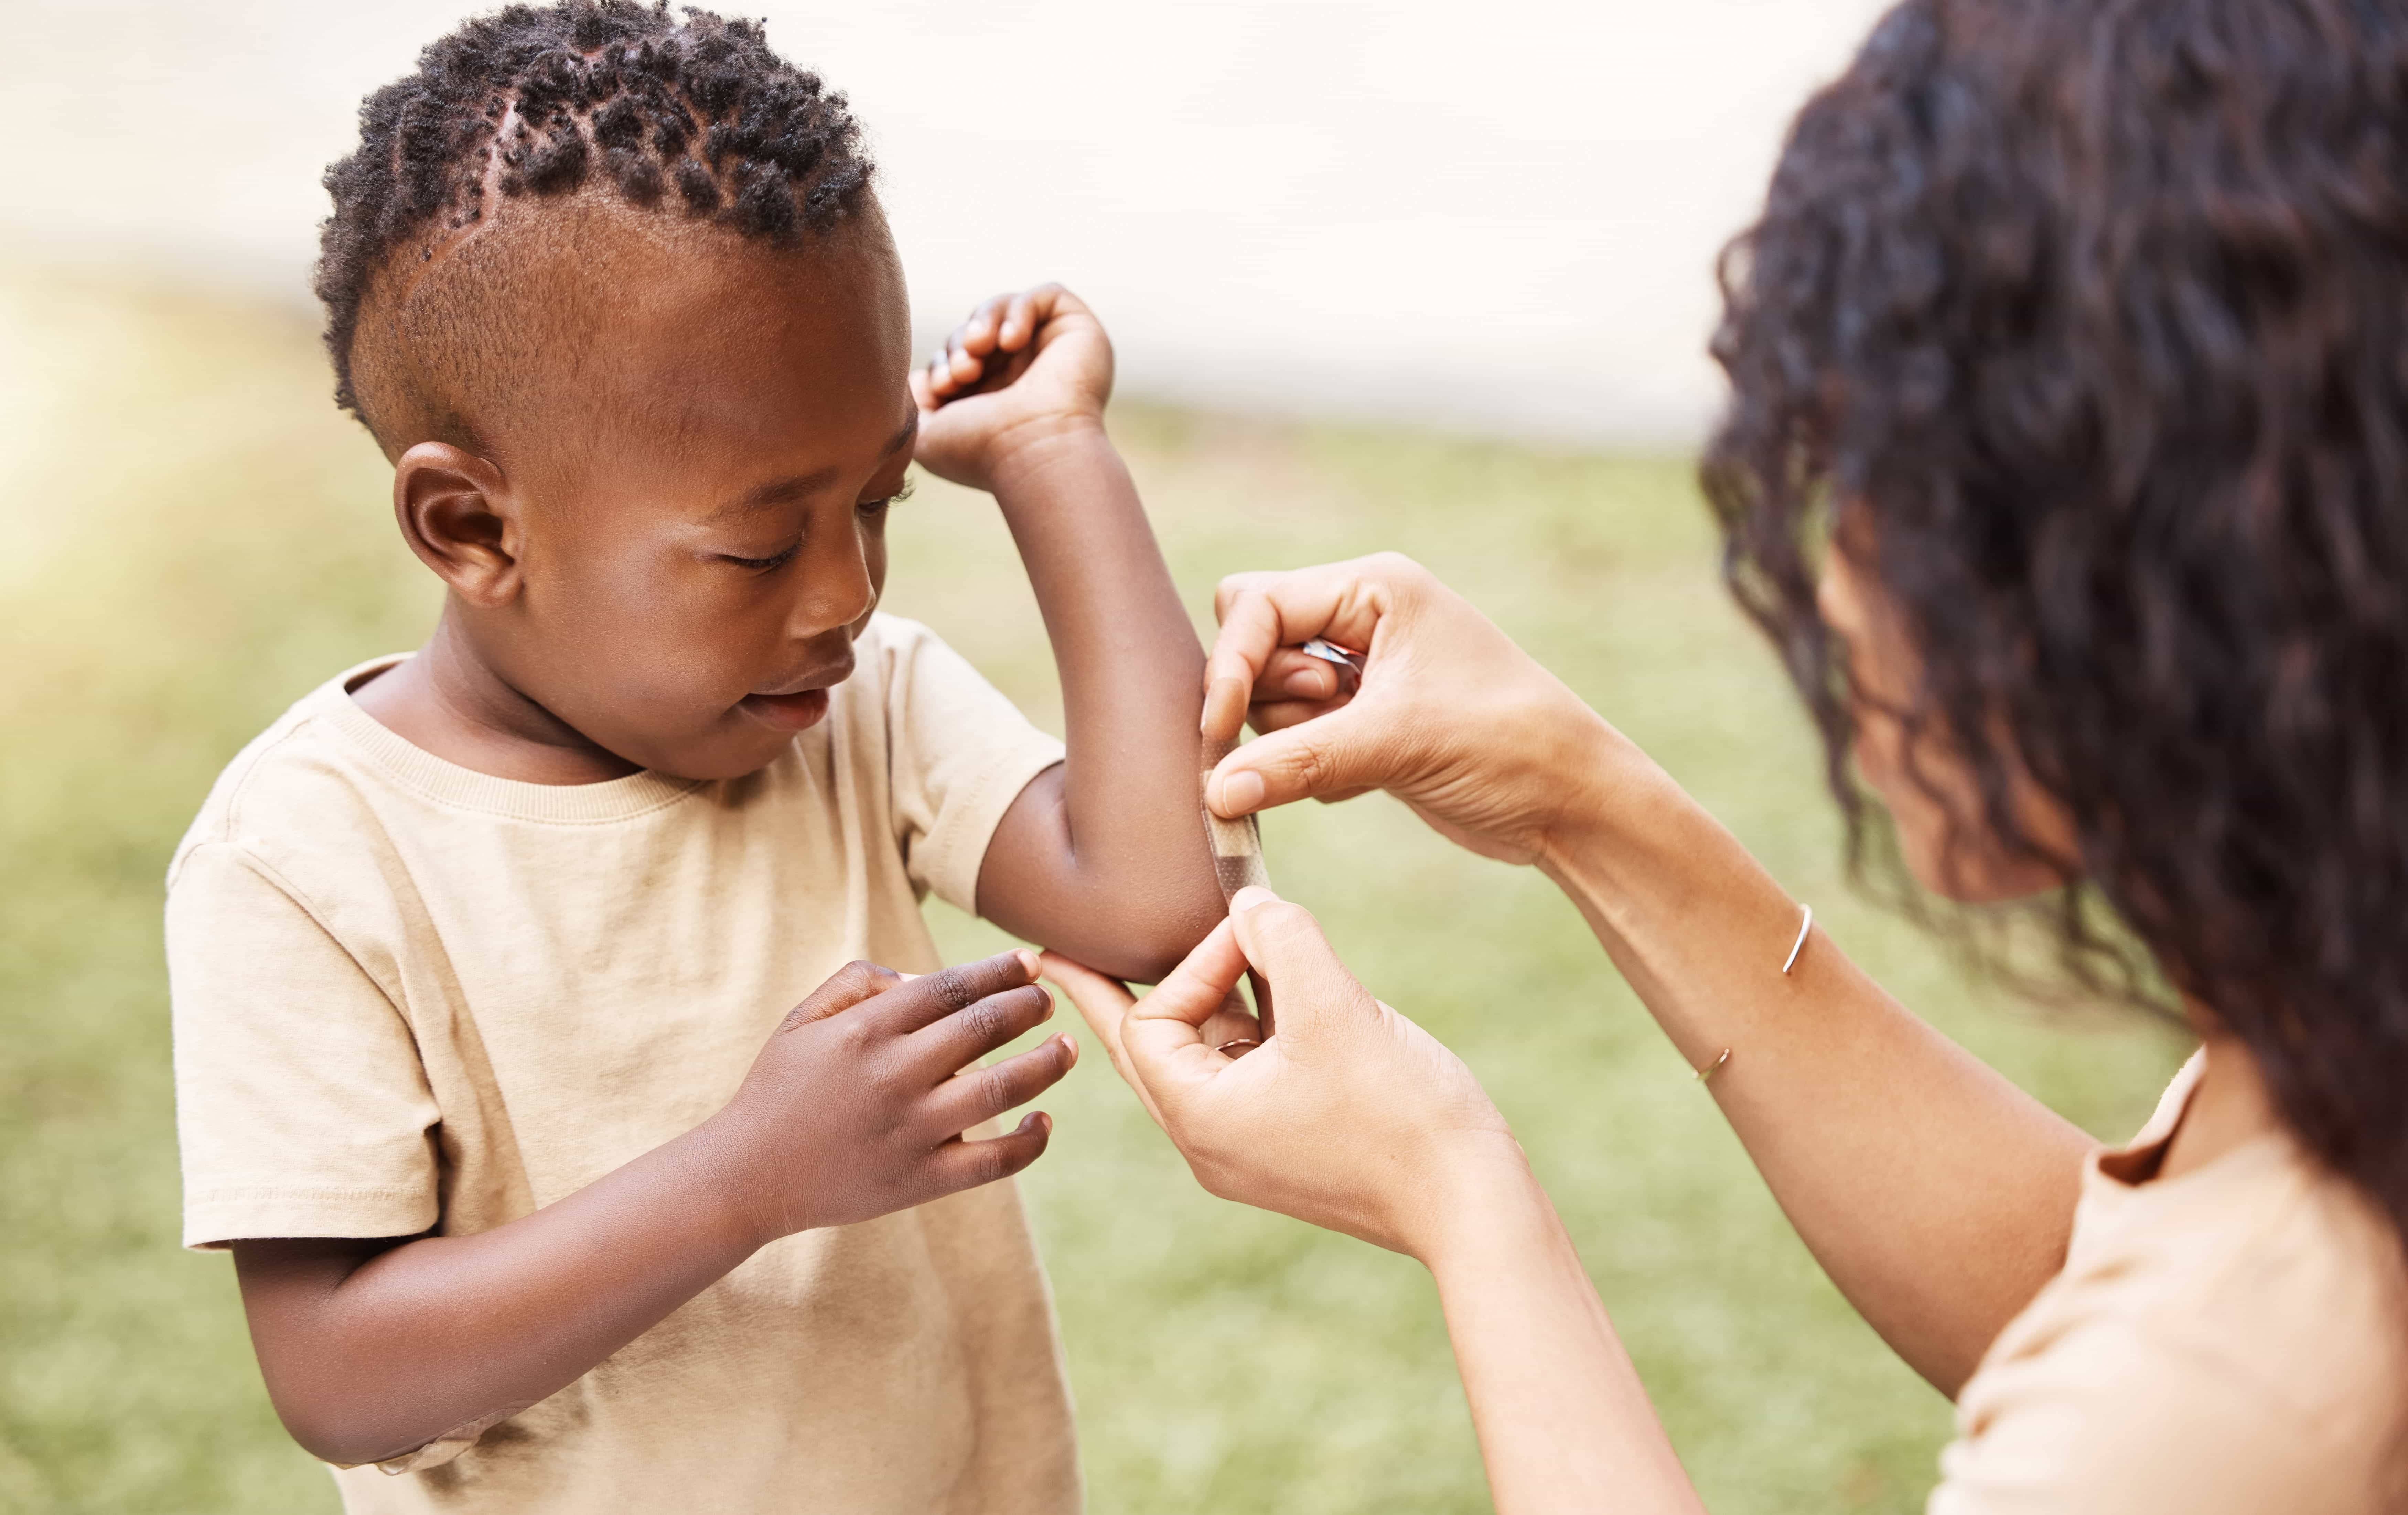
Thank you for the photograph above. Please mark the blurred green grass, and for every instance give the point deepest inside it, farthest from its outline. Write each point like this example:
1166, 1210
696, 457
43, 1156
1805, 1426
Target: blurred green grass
193, 537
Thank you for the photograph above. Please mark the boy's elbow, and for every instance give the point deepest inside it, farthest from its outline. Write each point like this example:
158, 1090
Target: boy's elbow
1149, 935
345, 1437
349, 1425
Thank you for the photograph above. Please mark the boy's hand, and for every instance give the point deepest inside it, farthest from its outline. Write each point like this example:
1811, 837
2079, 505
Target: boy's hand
853, 1109
1024, 369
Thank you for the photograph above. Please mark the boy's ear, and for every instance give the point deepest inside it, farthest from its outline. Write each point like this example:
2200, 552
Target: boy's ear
457, 513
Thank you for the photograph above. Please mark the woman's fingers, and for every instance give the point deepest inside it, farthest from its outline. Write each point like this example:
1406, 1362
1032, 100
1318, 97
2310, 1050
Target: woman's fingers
1264, 613
1168, 1045
1268, 716
1231, 1022
1104, 1004
1192, 992
1313, 986
1339, 753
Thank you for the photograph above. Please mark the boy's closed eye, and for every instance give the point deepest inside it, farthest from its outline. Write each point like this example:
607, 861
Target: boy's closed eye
770, 563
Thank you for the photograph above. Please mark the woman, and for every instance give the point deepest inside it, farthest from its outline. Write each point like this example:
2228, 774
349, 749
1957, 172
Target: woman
2066, 465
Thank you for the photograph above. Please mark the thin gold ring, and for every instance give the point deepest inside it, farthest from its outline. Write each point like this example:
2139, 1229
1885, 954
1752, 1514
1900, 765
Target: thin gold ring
1241, 1041
1706, 1073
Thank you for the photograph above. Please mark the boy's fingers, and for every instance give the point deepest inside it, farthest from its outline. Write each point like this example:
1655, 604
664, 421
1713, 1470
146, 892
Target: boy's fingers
962, 1102
965, 364
1018, 323
933, 997
977, 335
845, 987
957, 1041
967, 1165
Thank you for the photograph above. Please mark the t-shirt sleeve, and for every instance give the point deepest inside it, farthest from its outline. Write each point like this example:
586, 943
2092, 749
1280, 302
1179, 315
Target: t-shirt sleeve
301, 1106
2121, 1419
960, 754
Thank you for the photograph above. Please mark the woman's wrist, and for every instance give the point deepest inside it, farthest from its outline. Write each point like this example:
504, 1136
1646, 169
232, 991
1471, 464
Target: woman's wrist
1482, 1180
1595, 774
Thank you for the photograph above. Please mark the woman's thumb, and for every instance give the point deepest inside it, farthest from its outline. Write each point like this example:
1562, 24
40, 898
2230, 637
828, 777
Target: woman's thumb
1329, 756
1314, 990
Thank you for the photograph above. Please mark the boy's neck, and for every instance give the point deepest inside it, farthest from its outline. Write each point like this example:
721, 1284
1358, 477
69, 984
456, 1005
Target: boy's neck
449, 701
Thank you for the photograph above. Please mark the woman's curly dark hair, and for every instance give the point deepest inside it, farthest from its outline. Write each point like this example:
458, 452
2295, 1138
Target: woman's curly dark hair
2094, 315
696, 114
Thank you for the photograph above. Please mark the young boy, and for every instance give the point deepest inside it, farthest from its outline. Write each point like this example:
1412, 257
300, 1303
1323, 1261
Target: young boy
476, 952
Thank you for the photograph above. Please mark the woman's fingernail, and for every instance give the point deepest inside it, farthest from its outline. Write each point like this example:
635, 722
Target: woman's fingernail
1240, 792
1250, 896
1226, 693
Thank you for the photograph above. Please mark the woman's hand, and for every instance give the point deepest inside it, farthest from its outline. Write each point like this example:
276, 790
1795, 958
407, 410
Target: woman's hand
1351, 1117
1450, 716
1356, 1119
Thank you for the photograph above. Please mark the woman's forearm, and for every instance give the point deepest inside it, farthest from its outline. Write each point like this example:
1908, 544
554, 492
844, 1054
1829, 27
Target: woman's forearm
1105, 858
1936, 1194
1564, 1424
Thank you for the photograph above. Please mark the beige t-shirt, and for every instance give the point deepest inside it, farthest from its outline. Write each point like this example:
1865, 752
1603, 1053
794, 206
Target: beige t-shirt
2228, 1341
411, 997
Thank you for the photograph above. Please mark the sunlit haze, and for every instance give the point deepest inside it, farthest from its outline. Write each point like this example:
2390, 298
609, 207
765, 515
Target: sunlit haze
1499, 217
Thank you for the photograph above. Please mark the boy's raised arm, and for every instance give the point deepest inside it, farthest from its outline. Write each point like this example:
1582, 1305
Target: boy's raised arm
1104, 857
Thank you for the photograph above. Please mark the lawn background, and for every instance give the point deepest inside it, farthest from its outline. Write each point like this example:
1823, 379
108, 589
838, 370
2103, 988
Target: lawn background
191, 537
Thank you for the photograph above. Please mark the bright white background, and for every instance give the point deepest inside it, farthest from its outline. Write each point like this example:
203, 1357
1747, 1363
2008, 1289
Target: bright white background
1497, 216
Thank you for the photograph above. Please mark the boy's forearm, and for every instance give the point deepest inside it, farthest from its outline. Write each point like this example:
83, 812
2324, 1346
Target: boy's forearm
1106, 859
368, 1359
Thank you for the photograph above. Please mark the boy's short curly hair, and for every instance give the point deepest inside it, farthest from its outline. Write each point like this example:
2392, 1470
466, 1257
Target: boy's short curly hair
2088, 319
694, 116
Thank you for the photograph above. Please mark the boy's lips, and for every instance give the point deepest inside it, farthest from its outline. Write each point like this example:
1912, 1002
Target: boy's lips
794, 704
786, 712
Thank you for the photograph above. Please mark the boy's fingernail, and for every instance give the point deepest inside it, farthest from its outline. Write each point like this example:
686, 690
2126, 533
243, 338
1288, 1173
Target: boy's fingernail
1251, 896
1240, 792
1307, 681
1044, 1122
1071, 1047
1027, 961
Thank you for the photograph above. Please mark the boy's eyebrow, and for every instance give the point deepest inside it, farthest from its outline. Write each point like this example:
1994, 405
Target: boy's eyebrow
779, 491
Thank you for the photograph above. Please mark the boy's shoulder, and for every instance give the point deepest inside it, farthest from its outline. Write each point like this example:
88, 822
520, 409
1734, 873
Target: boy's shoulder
295, 775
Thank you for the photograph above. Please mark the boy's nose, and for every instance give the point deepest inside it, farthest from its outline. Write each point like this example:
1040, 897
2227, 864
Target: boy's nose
836, 588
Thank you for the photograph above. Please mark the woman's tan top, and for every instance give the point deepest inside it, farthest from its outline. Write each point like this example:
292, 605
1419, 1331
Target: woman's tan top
2229, 1339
